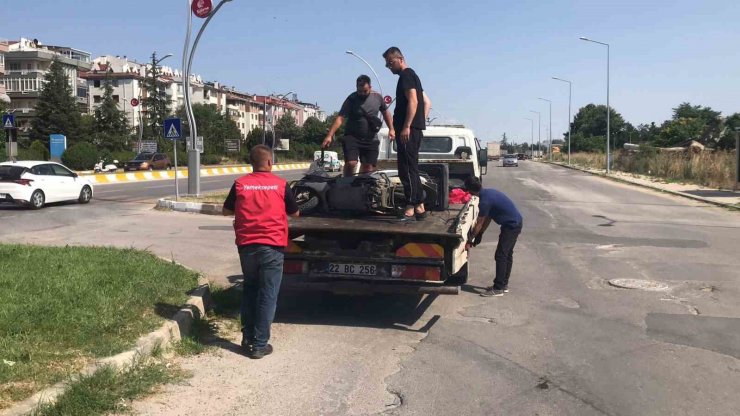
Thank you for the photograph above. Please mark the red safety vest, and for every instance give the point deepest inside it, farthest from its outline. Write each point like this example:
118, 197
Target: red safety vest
260, 216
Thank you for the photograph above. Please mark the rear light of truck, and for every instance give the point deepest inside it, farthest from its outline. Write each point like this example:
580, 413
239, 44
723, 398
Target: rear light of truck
416, 272
429, 251
26, 182
295, 267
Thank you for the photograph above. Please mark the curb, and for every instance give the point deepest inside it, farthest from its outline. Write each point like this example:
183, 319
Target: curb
110, 178
172, 329
195, 207
654, 188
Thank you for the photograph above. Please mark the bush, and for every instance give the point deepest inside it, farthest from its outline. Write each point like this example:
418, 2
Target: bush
81, 156
37, 151
3, 154
209, 159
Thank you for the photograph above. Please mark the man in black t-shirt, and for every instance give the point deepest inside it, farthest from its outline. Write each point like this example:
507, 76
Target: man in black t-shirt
409, 121
359, 141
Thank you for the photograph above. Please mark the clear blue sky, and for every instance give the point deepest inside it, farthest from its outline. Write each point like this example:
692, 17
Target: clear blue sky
483, 63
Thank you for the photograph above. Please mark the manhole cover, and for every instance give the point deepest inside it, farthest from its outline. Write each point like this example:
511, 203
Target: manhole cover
639, 284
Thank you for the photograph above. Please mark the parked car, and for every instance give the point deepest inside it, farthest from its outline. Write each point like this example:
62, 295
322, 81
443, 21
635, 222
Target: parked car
511, 160
148, 161
520, 156
36, 183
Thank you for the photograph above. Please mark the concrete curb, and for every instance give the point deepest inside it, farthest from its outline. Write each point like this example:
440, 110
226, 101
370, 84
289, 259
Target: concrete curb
110, 178
172, 330
196, 207
642, 185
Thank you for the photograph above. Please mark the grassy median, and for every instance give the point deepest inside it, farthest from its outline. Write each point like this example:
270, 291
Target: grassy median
63, 307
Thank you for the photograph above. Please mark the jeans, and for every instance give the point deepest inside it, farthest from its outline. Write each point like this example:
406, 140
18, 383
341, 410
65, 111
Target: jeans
262, 267
408, 166
505, 255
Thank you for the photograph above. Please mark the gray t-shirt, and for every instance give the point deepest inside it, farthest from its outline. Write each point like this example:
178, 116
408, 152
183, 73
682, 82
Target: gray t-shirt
356, 120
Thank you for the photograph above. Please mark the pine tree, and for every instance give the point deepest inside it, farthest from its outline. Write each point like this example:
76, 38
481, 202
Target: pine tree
156, 105
56, 110
111, 126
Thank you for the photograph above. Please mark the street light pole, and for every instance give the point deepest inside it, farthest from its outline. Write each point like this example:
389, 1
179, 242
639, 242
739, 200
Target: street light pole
570, 87
272, 119
539, 130
531, 136
380, 86
549, 131
608, 133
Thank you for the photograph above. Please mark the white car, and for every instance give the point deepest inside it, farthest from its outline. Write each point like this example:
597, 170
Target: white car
36, 183
511, 160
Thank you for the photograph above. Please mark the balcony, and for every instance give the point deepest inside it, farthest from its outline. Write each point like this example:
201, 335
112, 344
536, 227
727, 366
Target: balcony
82, 100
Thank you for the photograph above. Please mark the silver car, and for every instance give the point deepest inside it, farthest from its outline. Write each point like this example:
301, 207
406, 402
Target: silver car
511, 160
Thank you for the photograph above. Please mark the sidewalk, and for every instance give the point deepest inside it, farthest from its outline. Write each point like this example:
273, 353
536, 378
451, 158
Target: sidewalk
106, 178
723, 198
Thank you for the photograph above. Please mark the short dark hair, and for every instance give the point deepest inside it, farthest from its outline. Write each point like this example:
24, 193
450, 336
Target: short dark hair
364, 79
472, 184
259, 155
392, 51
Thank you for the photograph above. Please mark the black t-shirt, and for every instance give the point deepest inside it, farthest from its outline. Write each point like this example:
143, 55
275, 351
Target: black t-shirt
291, 207
407, 80
352, 110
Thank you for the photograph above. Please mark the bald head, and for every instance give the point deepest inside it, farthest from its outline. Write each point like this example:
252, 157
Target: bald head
261, 158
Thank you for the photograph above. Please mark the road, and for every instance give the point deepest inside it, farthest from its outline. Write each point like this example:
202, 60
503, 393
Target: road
563, 342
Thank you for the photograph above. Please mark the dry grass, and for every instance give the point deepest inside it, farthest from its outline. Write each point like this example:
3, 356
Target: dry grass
711, 169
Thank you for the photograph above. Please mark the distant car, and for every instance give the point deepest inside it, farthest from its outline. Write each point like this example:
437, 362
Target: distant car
36, 183
511, 160
520, 156
148, 161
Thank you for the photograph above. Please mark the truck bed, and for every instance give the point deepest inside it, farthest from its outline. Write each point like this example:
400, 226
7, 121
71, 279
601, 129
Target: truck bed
438, 223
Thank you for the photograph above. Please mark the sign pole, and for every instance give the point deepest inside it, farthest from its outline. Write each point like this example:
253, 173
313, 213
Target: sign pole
737, 159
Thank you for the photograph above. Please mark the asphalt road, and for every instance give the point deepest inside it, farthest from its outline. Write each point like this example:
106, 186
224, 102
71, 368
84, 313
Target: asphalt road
563, 342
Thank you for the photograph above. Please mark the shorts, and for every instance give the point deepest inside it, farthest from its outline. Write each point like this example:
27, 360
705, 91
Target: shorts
367, 150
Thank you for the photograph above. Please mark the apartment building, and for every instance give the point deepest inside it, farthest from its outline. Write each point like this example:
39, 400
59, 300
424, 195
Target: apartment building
27, 62
3, 50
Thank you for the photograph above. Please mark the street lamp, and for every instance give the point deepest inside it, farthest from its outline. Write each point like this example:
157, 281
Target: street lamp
539, 130
570, 88
608, 136
531, 135
550, 129
380, 86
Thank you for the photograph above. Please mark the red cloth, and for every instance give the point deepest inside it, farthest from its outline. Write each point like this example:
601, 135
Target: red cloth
459, 196
260, 216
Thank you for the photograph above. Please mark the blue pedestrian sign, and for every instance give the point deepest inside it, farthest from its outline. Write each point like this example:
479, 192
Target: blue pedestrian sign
172, 129
8, 121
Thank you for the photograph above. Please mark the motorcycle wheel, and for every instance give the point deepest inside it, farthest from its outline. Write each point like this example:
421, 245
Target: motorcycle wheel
307, 200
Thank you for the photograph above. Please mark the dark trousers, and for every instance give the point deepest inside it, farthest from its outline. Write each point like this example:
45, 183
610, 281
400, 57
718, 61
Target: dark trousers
408, 166
505, 255
262, 267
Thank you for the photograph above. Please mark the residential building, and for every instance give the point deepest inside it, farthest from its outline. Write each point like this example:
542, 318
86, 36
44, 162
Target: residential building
3, 50
312, 110
26, 64
126, 77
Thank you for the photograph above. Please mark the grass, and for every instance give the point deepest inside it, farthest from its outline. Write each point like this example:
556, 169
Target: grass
108, 390
711, 169
63, 307
212, 198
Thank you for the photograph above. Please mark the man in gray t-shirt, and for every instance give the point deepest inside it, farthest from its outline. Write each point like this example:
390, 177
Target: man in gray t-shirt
359, 141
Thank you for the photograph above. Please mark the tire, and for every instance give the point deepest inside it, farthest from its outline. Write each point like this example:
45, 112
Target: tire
306, 199
169, 167
85, 195
459, 278
151, 168
37, 199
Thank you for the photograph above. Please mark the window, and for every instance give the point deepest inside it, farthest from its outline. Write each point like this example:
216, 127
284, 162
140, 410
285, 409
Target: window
42, 170
61, 170
14, 67
114, 83
432, 145
96, 83
97, 99
115, 98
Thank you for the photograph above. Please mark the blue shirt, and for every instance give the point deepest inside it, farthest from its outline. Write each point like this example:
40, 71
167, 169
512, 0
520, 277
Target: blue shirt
497, 206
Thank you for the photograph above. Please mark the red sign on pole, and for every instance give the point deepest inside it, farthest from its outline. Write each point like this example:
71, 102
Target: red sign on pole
202, 8
387, 99
134, 102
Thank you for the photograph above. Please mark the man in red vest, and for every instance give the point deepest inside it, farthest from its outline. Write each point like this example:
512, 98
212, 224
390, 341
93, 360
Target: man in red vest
261, 203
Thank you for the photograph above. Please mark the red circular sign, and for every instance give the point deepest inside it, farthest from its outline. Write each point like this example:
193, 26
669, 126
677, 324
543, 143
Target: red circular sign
387, 99
202, 8
134, 102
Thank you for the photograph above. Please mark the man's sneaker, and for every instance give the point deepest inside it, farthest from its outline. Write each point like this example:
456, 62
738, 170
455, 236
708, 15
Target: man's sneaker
506, 289
492, 292
258, 353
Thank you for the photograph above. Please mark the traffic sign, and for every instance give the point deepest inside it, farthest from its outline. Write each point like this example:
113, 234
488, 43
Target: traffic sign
134, 102
198, 143
172, 129
387, 99
202, 8
8, 121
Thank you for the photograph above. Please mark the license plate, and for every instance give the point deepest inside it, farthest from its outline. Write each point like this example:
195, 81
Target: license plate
356, 269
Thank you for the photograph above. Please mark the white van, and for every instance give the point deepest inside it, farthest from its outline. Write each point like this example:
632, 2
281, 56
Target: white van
331, 160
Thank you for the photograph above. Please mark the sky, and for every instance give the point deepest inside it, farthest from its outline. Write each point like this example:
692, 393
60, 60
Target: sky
483, 64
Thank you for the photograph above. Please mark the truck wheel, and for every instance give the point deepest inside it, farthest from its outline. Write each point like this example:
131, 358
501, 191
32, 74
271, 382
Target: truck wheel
459, 278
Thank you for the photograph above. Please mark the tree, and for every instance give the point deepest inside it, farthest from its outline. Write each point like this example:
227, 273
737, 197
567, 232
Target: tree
111, 126
340, 131
156, 105
692, 122
313, 131
727, 138
286, 128
504, 142
215, 128
56, 110
590, 123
